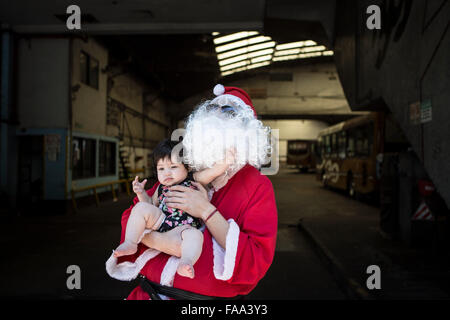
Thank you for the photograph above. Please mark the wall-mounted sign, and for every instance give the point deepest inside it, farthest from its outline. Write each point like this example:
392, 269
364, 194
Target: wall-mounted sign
425, 111
52, 146
414, 112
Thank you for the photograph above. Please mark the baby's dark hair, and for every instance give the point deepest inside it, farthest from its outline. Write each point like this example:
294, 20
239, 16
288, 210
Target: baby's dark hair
164, 150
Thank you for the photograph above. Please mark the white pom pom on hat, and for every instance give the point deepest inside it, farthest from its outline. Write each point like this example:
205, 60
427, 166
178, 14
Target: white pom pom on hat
219, 89
237, 93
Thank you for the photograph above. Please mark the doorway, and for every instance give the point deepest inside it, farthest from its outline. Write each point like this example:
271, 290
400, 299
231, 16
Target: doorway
31, 173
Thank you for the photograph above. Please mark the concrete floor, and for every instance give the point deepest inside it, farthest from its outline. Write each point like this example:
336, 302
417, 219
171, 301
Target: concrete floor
38, 250
297, 272
349, 232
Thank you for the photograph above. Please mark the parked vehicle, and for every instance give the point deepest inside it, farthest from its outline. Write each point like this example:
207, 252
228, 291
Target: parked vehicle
300, 153
347, 154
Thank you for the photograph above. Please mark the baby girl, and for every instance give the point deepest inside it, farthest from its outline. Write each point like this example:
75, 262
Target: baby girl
153, 214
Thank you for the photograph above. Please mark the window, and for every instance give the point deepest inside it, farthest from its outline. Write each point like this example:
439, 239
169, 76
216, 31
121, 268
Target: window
93, 72
83, 67
89, 68
327, 145
320, 147
107, 158
83, 158
334, 145
316, 149
370, 136
298, 148
342, 138
364, 140
350, 143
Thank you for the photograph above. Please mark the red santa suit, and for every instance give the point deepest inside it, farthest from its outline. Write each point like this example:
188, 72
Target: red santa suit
247, 202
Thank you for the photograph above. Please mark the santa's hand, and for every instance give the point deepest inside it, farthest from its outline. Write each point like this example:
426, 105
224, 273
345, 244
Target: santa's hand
194, 202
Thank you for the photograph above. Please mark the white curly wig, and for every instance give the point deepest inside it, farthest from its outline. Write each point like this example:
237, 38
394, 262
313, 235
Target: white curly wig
212, 129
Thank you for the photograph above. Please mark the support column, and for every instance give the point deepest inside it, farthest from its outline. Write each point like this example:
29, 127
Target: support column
5, 98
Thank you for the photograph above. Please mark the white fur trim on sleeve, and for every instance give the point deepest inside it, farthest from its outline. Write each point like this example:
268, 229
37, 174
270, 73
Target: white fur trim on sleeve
225, 259
169, 271
127, 271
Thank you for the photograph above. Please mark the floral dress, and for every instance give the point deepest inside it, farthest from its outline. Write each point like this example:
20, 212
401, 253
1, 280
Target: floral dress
176, 217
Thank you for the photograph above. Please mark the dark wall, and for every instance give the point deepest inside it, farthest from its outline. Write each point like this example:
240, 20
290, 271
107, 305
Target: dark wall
404, 66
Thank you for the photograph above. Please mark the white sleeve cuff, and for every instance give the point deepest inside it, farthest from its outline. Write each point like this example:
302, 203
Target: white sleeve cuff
127, 271
225, 259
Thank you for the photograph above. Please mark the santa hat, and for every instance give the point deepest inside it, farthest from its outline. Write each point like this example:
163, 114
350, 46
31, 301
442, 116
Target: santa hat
232, 96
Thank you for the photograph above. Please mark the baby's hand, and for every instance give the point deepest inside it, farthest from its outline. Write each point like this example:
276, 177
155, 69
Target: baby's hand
230, 156
138, 187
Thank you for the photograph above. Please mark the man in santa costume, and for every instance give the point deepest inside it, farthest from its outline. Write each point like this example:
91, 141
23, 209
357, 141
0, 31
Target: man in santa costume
238, 210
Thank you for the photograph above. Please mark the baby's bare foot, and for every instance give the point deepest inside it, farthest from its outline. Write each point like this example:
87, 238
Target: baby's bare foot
186, 269
125, 249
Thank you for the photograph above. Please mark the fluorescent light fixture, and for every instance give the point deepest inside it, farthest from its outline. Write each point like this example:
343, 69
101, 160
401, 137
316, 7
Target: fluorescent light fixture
260, 53
312, 49
229, 54
245, 56
262, 58
297, 56
287, 52
297, 44
258, 65
309, 55
242, 43
234, 36
215, 34
251, 66
232, 60
299, 50
260, 46
303, 55
235, 70
284, 58
239, 51
234, 65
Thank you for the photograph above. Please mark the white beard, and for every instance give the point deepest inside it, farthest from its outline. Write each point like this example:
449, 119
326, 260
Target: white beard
209, 133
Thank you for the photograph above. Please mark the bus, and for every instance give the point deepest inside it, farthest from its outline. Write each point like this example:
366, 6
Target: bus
300, 154
347, 154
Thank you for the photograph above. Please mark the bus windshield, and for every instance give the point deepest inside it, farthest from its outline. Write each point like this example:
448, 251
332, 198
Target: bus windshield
298, 148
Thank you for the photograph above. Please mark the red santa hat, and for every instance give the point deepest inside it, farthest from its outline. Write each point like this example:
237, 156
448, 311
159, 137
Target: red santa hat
232, 95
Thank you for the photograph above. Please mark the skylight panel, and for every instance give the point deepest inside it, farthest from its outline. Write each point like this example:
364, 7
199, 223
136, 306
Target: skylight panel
297, 44
242, 43
234, 36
